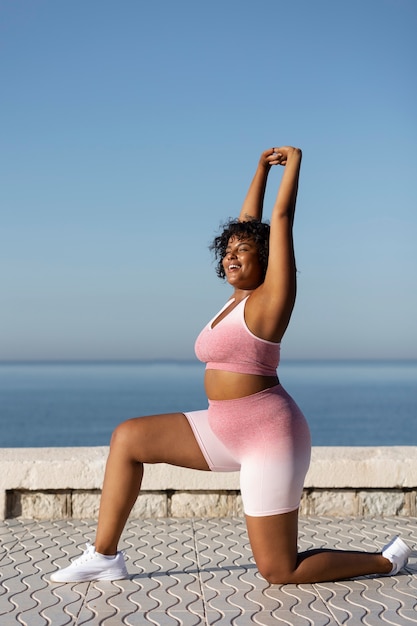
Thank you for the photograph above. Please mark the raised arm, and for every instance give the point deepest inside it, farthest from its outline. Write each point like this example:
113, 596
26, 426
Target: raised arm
253, 204
270, 310
287, 193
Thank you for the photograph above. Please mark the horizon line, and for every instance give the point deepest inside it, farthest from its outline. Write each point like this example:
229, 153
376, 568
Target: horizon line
176, 360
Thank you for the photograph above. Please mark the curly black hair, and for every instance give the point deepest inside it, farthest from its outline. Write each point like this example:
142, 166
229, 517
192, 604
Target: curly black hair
252, 229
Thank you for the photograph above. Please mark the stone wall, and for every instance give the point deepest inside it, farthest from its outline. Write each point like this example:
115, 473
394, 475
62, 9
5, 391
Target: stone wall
58, 483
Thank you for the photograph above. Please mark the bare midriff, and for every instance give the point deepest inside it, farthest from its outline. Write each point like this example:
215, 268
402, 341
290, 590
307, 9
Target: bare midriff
222, 385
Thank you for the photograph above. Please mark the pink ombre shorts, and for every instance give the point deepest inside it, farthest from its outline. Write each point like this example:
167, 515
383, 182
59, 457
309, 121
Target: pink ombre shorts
266, 437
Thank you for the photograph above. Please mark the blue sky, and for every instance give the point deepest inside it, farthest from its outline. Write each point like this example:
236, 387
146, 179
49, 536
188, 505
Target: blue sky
131, 130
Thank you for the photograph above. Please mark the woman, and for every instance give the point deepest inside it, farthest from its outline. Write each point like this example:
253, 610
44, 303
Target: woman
251, 424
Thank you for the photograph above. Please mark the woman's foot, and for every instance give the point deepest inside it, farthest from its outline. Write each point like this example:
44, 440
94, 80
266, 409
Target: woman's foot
92, 566
397, 552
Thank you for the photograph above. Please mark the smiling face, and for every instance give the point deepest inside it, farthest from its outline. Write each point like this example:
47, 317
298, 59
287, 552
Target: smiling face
241, 264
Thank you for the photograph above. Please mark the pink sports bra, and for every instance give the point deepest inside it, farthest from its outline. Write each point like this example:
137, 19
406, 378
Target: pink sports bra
231, 346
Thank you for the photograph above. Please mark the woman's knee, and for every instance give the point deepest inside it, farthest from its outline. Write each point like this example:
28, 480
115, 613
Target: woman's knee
125, 434
275, 573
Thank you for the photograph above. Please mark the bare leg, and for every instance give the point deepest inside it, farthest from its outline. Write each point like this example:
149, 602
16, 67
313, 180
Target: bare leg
274, 544
153, 439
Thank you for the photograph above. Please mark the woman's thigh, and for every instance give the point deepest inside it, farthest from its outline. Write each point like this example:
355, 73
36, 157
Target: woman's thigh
165, 438
273, 540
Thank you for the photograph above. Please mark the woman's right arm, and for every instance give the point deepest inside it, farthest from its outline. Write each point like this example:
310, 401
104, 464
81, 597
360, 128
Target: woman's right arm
252, 207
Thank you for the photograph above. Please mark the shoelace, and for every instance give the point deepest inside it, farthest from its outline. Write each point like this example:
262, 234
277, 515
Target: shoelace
86, 556
89, 553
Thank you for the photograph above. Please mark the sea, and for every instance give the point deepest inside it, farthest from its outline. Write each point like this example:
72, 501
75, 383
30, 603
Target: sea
347, 403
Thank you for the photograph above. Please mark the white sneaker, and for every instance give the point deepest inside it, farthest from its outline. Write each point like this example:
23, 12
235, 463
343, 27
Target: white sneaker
397, 552
92, 566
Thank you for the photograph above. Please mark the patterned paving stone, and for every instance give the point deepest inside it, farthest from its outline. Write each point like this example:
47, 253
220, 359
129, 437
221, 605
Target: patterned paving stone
197, 572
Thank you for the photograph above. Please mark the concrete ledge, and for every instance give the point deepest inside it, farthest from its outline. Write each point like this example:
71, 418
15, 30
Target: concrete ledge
54, 483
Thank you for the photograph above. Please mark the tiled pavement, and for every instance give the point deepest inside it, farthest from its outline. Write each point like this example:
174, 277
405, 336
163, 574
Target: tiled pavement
197, 571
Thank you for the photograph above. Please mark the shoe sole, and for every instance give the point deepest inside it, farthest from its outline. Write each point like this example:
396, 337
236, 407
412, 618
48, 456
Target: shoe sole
89, 580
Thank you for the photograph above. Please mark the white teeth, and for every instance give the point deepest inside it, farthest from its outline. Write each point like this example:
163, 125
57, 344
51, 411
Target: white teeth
232, 267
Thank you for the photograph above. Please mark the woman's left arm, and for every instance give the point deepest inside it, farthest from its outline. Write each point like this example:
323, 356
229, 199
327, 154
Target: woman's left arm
274, 301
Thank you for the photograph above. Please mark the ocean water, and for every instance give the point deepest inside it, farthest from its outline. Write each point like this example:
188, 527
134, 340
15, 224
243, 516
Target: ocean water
353, 403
